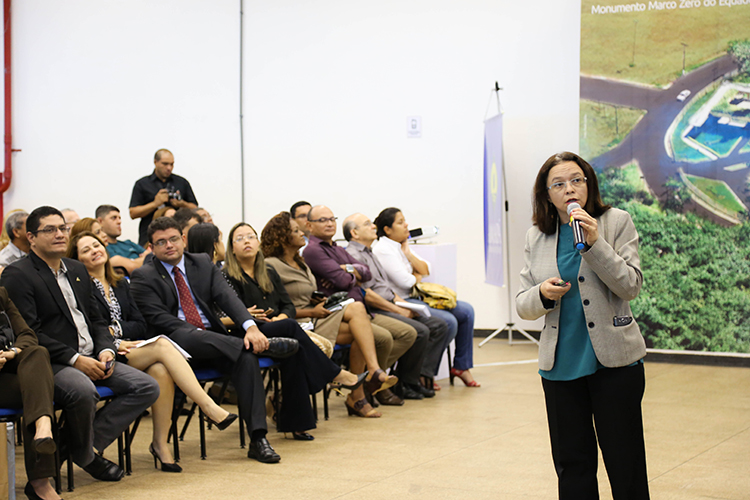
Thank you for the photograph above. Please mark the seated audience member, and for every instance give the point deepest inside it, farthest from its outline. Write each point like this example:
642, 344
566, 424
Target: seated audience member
205, 216
87, 224
4, 236
111, 222
187, 218
164, 212
54, 296
18, 246
260, 289
181, 307
27, 382
206, 238
380, 296
299, 213
70, 216
160, 359
281, 240
405, 269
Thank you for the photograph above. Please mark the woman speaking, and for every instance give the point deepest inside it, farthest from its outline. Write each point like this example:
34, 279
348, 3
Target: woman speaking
591, 350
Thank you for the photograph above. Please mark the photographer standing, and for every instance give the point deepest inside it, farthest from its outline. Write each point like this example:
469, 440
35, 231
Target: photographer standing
157, 190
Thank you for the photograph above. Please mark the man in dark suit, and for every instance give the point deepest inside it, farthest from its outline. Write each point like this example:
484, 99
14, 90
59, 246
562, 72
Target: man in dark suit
177, 292
54, 295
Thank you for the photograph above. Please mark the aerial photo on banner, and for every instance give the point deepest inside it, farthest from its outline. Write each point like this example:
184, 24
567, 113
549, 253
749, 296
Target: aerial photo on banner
665, 118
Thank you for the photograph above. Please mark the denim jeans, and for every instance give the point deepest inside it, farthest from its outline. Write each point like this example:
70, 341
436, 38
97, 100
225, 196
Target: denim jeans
460, 321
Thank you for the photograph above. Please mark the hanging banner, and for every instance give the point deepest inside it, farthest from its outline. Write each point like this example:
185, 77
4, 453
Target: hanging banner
665, 121
493, 201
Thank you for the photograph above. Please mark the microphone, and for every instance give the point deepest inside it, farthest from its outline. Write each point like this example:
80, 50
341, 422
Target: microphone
580, 241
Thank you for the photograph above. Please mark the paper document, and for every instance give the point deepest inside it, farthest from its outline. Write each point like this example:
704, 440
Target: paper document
340, 305
420, 309
307, 326
176, 346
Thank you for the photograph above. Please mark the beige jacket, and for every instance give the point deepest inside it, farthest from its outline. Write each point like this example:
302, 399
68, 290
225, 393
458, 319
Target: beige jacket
609, 278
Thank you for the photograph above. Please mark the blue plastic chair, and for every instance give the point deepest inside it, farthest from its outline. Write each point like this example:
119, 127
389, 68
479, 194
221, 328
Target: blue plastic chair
205, 375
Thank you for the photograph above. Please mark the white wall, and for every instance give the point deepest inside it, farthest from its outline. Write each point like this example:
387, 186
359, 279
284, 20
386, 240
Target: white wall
330, 84
99, 86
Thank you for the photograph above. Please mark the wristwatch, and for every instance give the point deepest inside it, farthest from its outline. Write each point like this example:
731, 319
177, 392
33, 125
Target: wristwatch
349, 268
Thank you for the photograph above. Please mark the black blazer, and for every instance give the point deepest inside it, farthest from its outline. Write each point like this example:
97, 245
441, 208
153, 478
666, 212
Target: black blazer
132, 323
156, 295
251, 294
34, 290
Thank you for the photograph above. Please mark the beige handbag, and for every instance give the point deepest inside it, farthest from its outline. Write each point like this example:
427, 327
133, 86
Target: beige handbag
323, 343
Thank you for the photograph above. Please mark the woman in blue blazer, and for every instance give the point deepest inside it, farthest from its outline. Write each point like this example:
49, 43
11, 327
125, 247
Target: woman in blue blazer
160, 359
591, 349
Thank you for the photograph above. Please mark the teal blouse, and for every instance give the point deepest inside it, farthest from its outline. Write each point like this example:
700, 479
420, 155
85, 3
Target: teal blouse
574, 354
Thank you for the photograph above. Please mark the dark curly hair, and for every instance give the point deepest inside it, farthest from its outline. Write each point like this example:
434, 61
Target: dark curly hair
276, 235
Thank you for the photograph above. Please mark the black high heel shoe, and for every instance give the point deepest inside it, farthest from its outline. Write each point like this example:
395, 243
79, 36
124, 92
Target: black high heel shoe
224, 423
173, 467
360, 380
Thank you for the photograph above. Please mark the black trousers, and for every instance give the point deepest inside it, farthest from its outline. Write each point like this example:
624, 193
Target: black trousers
308, 371
27, 382
605, 406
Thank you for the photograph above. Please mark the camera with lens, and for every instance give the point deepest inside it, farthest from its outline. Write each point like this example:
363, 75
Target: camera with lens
174, 194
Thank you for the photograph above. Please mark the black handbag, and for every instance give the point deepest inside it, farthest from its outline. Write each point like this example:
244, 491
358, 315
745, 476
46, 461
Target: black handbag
7, 337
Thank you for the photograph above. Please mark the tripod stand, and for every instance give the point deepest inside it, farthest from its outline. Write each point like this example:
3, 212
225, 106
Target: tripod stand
509, 327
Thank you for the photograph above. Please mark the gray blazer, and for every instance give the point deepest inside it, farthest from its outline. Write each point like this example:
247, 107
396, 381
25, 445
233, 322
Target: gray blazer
609, 278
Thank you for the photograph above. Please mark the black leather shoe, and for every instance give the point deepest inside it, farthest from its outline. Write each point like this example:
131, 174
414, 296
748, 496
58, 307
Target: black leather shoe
104, 470
387, 398
424, 391
261, 451
410, 393
281, 347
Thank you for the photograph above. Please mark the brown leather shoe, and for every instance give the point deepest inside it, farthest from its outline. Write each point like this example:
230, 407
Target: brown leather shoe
373, 385
387, 398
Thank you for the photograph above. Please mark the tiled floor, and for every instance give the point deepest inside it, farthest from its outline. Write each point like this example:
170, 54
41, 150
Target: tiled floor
466, 443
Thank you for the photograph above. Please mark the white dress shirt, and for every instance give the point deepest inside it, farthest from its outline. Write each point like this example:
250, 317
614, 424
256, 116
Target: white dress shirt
397, 265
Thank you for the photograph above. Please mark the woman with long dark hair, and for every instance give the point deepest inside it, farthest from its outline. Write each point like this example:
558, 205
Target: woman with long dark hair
591, 349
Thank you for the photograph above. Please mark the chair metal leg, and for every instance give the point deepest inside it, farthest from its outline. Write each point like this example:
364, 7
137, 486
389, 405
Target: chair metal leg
450, 365
326, 394
202, 427
179, 403
187, 421
121, 452
71, 485
242, 427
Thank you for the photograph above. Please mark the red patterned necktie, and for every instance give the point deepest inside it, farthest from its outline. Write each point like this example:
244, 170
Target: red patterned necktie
186, 300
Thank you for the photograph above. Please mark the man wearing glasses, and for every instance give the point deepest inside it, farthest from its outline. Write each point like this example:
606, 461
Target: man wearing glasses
53, 294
